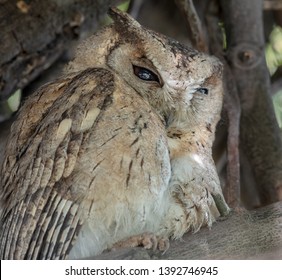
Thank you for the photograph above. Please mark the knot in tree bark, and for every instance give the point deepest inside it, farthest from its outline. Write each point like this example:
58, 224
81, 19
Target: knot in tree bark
245, 55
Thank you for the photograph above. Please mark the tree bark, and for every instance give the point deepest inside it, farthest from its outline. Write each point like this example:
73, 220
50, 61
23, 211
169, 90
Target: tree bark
259, 136
243, 235
33, 34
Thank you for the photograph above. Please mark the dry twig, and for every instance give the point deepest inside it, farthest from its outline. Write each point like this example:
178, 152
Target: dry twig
232, 107
194, 23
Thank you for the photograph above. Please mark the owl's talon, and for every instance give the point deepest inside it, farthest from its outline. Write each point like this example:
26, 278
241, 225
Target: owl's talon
221, 205
147, 240
163, 244
202, 207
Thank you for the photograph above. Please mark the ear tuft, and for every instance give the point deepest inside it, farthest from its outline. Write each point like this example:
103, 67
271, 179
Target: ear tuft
121, 19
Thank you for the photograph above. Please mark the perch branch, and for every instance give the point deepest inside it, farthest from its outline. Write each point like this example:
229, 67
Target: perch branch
243, 235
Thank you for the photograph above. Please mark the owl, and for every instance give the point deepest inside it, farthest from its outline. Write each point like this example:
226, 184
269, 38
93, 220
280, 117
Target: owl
116, 152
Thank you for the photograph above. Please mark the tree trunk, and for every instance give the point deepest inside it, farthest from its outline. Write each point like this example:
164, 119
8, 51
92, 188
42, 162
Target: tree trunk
260, 136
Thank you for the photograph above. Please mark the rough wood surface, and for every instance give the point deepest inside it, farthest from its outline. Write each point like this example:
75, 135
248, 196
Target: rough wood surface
33, 34
260, 136
243, 235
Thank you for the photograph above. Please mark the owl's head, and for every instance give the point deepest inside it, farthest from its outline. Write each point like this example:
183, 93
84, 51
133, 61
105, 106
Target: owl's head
183, 85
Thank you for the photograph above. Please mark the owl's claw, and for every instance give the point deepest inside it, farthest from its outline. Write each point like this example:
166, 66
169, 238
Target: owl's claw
147, 240
221, 205
163, 244
201, 206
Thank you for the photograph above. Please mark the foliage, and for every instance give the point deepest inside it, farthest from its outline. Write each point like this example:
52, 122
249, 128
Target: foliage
273, 55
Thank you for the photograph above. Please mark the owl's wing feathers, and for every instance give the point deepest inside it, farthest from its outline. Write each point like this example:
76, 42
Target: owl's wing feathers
41, 217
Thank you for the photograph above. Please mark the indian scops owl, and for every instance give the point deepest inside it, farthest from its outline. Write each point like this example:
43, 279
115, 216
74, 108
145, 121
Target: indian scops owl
119, 146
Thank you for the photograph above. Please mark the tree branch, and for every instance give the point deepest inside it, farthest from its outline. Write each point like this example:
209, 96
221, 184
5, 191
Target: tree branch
260, 135
243, 235
232, 108
193, 22
272, 5
34, 35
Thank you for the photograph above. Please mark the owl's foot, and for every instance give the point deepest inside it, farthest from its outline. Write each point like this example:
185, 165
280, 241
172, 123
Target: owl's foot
147, 240
197, 207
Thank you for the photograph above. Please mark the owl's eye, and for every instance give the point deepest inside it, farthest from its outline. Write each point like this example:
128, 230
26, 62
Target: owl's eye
203, 91
145, 74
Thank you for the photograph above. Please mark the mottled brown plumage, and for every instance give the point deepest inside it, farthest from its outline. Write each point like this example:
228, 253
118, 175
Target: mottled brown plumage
117, 147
